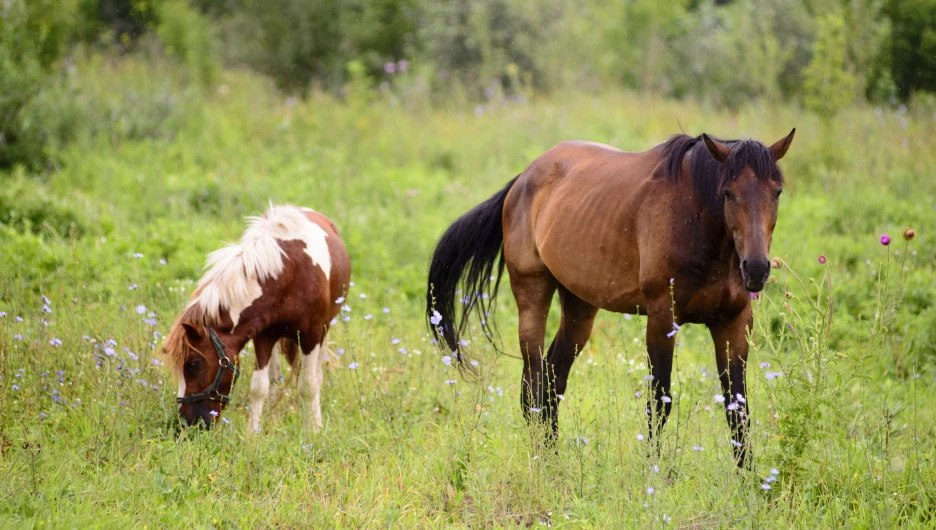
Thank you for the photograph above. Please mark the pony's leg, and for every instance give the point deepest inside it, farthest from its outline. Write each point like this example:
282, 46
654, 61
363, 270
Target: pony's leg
660, 343
260, 381
575, 327
275, 370
533, 294
731, 351
310, 385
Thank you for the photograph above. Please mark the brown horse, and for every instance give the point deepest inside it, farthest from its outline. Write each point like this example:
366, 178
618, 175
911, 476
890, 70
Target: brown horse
679, 233
283, 282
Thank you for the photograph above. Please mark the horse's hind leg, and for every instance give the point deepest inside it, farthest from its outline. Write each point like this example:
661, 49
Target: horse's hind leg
575, 327
287, 348
533, 293
310, 381
275, 370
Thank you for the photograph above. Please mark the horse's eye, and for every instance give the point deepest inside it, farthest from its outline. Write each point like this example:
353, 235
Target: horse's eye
777, 196
191, 367
728, 195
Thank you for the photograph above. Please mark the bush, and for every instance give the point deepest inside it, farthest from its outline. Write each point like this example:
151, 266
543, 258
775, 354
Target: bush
114, 101
33, 37
28, 207
189, 36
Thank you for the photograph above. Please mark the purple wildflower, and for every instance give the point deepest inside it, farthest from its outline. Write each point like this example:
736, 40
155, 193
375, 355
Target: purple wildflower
885, 239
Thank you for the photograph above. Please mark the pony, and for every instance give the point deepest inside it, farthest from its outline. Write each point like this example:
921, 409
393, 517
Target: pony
280, 285
679, 233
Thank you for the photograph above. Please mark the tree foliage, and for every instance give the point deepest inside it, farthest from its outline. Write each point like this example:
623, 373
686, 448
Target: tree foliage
822, 53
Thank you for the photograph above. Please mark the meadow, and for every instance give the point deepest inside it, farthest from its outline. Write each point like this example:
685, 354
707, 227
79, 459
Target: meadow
101, 250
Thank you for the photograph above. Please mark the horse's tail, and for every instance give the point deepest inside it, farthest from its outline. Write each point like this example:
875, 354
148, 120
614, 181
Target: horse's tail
465, 257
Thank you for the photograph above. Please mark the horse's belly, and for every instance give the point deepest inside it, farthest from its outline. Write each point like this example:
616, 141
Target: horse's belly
607, 284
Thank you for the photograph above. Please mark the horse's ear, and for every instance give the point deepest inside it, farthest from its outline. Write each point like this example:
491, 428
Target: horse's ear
192, 332
719, 150
780, 148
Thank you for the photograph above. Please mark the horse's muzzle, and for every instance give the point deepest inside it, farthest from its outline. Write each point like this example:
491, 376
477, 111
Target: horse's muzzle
197, 416
754, 273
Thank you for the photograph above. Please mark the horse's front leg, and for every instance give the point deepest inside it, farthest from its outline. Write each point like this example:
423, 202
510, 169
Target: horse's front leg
661, 339
731, 351
260, 381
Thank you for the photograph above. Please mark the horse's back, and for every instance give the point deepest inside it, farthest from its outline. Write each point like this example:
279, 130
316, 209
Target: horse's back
576, 212
321, 265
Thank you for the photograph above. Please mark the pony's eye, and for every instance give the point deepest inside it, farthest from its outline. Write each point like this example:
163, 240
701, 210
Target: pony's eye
728, 195
777, 196
191, 367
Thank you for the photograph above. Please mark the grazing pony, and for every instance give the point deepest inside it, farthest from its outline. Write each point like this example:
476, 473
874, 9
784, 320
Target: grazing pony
679, 233
278, 284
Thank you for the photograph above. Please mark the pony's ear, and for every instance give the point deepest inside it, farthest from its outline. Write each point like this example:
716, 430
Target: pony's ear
780, 148
192, 332
719, 150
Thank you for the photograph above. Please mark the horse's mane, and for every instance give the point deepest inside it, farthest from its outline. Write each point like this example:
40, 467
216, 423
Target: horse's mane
709, 175
233, 272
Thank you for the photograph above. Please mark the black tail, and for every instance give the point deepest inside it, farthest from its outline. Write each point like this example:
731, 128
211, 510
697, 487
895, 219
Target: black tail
465, 256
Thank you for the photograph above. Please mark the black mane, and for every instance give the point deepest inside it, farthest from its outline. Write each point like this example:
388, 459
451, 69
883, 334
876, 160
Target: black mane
709, 175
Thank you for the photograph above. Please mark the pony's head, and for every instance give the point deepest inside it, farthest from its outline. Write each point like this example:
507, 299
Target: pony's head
750, 187
203, 366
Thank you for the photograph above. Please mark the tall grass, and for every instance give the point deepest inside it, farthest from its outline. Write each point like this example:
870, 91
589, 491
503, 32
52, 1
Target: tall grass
115, 237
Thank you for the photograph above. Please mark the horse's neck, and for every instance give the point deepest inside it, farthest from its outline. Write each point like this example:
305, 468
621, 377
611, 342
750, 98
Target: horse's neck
720, 241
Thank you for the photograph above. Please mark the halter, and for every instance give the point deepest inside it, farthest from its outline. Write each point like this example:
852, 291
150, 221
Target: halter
211, 393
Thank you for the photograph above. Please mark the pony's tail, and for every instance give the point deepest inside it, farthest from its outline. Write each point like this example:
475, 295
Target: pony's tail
465, 257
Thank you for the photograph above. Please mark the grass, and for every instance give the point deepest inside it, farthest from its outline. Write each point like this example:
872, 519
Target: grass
88, 428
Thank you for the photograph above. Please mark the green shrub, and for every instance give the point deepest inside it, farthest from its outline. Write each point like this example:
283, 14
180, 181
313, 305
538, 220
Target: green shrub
28, 207
189, 36
33, 37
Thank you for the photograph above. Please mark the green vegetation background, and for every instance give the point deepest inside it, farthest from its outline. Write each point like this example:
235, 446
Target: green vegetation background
137, 135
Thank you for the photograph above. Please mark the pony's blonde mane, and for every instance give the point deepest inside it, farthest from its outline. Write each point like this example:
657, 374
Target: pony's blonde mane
176, 343
234, 274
